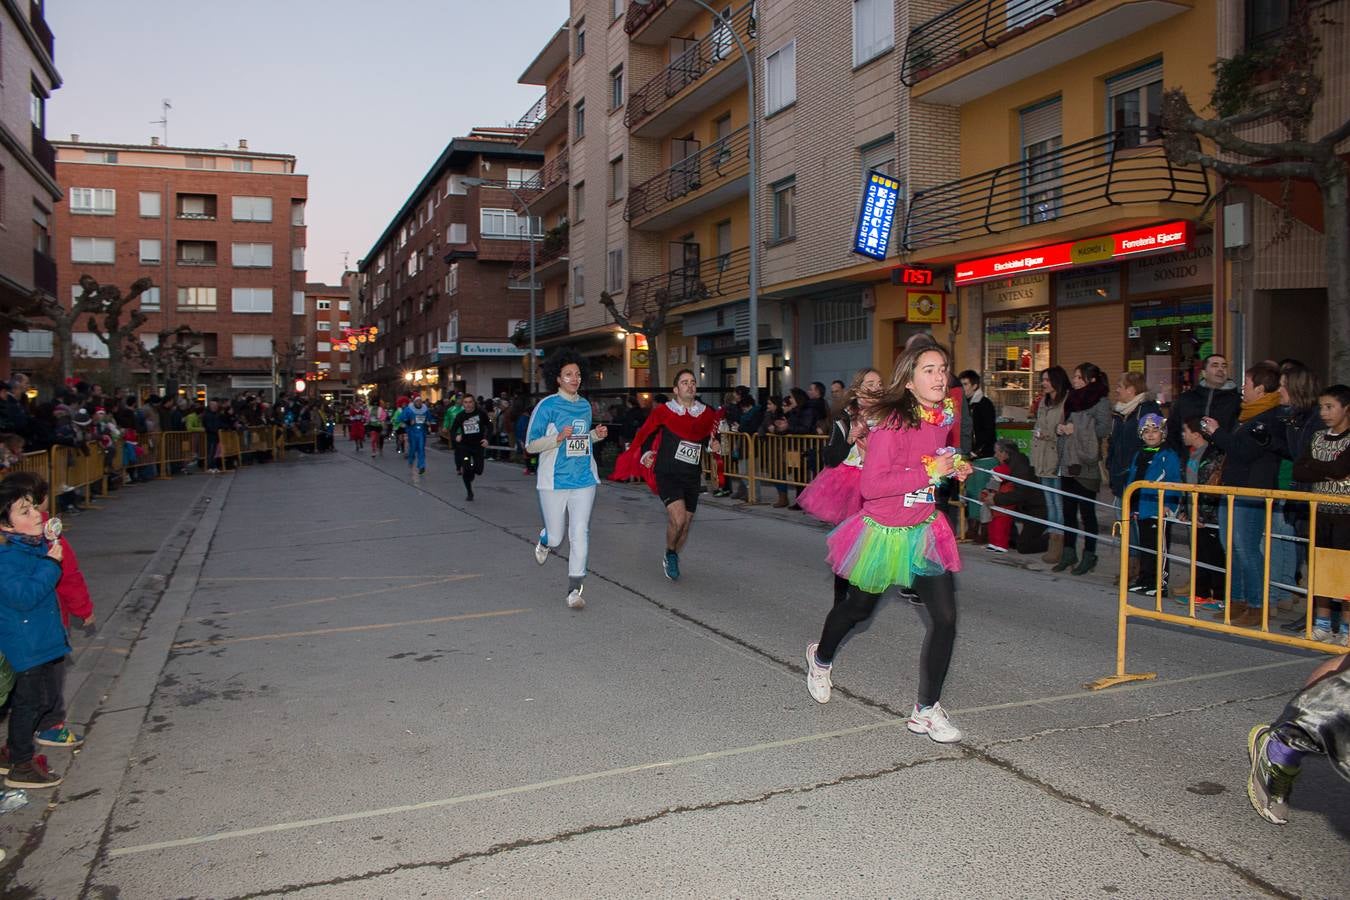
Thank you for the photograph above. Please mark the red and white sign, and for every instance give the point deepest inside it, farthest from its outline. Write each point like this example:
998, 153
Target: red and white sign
1164, 238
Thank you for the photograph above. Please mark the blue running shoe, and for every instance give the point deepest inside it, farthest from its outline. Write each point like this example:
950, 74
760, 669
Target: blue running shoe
671, 565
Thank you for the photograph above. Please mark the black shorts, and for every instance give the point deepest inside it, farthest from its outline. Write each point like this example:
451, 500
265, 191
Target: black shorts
672, 486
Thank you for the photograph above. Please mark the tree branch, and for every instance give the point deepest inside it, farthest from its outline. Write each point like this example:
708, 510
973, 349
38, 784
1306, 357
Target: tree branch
1273, 172
1329, 141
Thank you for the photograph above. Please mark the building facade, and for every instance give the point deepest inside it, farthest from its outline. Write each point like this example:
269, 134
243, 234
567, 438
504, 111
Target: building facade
29, 193
319, 333
220, 233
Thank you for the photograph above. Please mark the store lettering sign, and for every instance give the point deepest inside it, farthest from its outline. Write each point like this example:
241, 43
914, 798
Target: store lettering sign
1189, 268
1017, 293
491, 348
872, 237
1169, 236
1097, 284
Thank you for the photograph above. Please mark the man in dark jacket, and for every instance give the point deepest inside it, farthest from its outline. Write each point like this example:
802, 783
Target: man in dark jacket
1215, 396
983, 418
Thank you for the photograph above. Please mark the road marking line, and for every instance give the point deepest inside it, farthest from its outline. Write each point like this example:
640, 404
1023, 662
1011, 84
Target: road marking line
306, 578
646, 767
188, 645
359, 523
398, 587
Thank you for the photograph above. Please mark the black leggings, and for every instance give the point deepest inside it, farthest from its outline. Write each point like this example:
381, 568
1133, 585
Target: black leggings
470, 463
937, 592
1080, 506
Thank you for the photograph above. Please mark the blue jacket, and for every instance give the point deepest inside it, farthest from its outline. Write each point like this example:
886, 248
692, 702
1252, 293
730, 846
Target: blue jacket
30, 617
1163, 466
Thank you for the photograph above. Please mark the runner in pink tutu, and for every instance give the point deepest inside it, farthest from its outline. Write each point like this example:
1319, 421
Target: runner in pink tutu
834, 494
899, 537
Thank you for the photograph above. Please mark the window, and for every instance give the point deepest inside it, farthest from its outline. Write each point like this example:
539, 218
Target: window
1041, 140
92, 250
243, 165
251, 256
579, 47
149, 204
298, 259
452, 279
32, 344
616, 88
90, 345
251, 300
381, 262
197, 299
614, 276
520, 177
1134, 106
93, 201
457, 233
504, 223
454, 186
251, 209
578, 286
620, 7
344, 324
840, 322
100, 156
297, 212
200, 162
579, 120
781, 78
1266, 20
723, 245
616, 182
323, 304
579, 202
252, 346
196, 253
344, 367
785, 210
344, 306
42, 235
150, 251
150, 300
325, 326
879, 156
37, 109
297, 303
196, 206
873, 29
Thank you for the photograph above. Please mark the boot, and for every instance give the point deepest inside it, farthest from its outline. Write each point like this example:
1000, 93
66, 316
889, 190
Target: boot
1056, 550
781, 502
1067, 560
1086, 564
1134, 569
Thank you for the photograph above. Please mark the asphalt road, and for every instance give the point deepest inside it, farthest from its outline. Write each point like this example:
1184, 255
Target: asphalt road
336, 682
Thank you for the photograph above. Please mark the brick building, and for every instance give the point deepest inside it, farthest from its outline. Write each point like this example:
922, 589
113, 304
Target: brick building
438, 282
220, 232
316, 336
28, 188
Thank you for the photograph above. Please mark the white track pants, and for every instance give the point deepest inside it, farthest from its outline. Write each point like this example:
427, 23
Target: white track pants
575, 505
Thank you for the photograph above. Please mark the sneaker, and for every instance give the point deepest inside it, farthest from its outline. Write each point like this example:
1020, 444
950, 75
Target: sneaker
32, 774
1268, 785
996, 548
59, 736
670, 564
817, 676
4, 759
575, 600
1138, 587
1209, 604
1153, 591
1324, 635
541, 550
933, 721
911, 595
422, 471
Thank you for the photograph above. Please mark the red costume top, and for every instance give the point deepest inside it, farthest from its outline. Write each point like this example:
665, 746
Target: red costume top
696, 423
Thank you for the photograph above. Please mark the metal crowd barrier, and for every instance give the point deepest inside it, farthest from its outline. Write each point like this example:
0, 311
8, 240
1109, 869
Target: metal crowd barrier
1328, 573
783, 460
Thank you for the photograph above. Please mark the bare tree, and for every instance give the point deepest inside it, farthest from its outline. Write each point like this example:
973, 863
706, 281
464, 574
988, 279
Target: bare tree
61, 322
647, 319
99, 302
171, 355
1276, 82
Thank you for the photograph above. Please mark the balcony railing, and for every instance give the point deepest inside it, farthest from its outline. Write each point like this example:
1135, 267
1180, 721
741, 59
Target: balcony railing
546, 105
44, 152
1101, 172
690, 66
726, 275
39, 23
44, 273
553, 174
551, 248
971, 28
720, 161
549, 324
638, 14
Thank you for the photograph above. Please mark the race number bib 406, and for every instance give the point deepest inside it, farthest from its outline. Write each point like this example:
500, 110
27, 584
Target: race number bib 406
578, 446
688, 452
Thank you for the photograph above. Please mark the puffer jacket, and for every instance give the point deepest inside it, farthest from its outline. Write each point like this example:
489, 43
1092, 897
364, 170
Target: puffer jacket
30, 617
1126, 442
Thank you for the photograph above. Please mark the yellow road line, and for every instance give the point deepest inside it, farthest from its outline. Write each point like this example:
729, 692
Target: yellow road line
188, 645
398, 587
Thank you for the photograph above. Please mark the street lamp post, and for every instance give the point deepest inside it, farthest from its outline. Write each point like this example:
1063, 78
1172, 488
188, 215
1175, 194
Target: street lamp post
754, 192
529, 233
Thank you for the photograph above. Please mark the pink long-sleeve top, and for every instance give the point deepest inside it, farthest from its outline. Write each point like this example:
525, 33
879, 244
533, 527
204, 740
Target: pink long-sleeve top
895, 482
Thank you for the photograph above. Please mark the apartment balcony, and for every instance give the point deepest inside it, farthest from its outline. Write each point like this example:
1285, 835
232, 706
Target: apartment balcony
44, 273
547, 189
699, 182
551, 254
658, 21
43, 152
720, 278
980, 46
546, 120
546, 325
707, 71
40, 27
1108, 179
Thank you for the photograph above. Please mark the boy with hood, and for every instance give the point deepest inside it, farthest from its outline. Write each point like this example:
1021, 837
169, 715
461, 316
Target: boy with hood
1153, 462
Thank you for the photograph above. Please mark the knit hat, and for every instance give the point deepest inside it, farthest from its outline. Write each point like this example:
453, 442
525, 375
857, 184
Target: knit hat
1151, 420
81, 417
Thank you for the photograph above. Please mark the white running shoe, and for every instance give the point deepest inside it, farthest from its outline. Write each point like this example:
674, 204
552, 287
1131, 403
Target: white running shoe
817, 676
575, 600
933, 721
996, 548
541, 550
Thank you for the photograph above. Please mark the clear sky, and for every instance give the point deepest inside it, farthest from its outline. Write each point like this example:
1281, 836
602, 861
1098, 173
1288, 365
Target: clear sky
364, 94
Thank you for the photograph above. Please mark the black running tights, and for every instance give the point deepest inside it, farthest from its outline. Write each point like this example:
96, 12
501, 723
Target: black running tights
938, 593
470, 464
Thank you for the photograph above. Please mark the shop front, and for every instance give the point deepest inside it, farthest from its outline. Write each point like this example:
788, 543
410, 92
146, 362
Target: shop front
481, 368
715, 343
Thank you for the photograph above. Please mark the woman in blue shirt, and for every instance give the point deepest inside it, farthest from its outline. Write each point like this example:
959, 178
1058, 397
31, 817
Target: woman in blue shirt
560, 433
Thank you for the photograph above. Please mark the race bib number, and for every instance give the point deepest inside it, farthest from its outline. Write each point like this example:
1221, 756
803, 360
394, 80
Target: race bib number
470, 426
688, 452
924, 495
578, 446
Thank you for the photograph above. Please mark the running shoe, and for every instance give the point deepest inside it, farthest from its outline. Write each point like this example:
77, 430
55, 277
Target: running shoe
575, 600
670, 564
1209, 604
541, 550
911, 595
421, 471
1138, 587
59, 736
4, 759
996, 548
817, 676
32, 774
1268, 784
933, 721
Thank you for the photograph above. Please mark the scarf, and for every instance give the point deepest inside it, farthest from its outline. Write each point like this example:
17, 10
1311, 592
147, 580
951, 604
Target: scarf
1084, 398
1256, 407
1125, 409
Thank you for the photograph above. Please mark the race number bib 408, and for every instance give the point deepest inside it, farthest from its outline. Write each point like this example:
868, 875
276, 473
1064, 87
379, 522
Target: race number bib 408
688, 452
578, 446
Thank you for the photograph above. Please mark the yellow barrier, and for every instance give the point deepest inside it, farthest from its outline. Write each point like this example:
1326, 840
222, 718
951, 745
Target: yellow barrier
1328, 573
790, 460
738, 454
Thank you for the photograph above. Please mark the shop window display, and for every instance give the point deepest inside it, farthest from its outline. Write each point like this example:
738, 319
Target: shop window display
1016, 347
1168, 339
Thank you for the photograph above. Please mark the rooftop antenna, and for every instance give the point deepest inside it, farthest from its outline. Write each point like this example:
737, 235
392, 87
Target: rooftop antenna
345, 254
163, 121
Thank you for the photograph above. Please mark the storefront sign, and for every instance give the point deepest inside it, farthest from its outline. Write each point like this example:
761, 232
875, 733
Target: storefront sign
1136, 242
640, 359
447, 348
491, 348
1098, 284
1017, 293
1187, 269
925, 307
873, 234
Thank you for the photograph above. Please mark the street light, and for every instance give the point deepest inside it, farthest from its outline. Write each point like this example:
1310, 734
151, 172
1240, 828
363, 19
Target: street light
529, 233
754, 191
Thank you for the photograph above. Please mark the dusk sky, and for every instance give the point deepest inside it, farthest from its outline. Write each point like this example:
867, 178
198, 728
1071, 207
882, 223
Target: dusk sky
365, 95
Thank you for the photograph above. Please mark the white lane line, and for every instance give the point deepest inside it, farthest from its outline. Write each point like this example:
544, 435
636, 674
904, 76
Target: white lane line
728, 753
398, 587
346, 629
